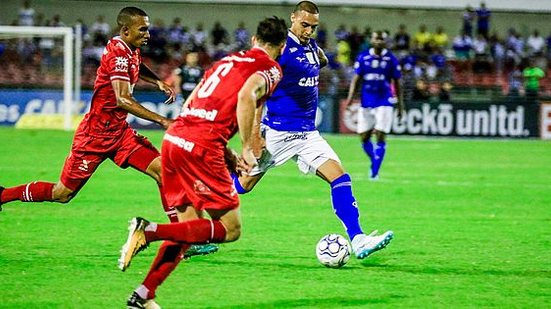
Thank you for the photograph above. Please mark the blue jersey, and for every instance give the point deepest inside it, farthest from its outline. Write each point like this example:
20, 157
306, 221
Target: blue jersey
293, 105
376, 72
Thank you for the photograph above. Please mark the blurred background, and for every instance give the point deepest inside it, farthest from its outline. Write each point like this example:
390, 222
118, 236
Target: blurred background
469, 68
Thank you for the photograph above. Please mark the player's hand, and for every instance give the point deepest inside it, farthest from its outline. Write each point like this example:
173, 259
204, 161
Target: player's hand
249, 160
234, 163
166, 122
164, 87
258, 146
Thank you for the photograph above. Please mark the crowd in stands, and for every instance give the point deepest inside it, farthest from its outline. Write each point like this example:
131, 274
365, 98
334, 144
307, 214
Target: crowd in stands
433, 63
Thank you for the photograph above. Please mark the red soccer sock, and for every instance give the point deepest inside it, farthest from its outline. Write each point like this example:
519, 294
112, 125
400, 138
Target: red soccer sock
169, 256
169, 211
37, 191
199, 231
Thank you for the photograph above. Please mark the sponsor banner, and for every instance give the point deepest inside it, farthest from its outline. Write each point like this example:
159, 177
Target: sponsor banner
545, 120
496, 119
15, 103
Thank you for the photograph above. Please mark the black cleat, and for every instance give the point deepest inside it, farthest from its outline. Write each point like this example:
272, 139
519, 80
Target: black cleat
136, 302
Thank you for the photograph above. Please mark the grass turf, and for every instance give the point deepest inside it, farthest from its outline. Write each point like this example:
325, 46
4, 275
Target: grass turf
471, 218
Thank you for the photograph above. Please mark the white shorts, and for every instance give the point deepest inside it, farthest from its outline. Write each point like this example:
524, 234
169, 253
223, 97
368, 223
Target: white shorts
378, 118
309, 149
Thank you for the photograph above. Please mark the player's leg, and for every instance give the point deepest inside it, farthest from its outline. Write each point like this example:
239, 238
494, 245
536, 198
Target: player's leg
383, 123
347, 211
168, 257
78, 168
366, 122
318, 156
141, 155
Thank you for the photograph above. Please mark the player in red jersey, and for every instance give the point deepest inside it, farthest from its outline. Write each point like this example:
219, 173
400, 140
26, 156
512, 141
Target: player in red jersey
194, 171
104, 132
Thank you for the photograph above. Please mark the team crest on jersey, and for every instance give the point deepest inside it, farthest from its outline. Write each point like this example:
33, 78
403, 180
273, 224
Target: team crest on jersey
274, 74
200, 188
293, 49
121, 64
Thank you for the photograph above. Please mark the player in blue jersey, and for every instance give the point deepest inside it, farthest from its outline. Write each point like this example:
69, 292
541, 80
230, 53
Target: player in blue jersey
379, 72
290, 133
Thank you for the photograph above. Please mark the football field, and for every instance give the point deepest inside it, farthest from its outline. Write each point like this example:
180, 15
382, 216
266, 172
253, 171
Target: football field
472, 223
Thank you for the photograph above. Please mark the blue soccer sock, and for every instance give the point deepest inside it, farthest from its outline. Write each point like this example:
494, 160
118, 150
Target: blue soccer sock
367, 145
237, 184
345, 205
380, 151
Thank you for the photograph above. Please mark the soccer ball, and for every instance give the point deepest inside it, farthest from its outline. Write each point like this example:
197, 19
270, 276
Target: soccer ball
333, 251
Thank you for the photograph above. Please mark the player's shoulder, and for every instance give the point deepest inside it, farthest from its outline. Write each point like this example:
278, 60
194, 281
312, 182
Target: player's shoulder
117, 46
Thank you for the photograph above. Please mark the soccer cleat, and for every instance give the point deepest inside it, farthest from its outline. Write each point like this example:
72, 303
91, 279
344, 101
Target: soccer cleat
200, 250
136, 302
135, 243
365, 245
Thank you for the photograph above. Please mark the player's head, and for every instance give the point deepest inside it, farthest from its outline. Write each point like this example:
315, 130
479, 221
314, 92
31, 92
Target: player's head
271, 31
134, 26
378, 39
304, 20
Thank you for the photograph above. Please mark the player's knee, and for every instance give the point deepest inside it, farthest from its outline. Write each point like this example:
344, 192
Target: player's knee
233, 232
61, 194
63, 197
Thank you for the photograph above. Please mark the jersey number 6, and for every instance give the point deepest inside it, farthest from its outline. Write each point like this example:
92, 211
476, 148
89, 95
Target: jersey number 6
210, 84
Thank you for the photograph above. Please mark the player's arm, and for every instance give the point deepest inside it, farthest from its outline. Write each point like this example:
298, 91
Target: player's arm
126, 101
352, 89
323, 58
399, 96
254, 88
150, 77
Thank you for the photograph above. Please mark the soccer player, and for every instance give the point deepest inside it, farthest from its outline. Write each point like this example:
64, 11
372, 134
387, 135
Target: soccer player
193, 158
380, 73
104, 132
290, 132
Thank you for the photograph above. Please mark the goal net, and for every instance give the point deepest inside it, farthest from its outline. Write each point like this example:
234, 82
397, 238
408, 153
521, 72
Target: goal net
40, 76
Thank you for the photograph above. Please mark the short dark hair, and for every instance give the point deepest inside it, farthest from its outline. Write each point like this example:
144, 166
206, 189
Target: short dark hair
307, 6
126, 14
272, 30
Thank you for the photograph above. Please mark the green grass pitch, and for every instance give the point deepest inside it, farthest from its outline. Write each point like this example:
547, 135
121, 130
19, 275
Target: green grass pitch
472, 223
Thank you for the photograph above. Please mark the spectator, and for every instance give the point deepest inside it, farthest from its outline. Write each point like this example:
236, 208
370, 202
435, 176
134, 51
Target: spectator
481, 50
101, 27
422, 38
26, 14
355, 40
497, 52
241, 37
321, 36
341, 33
344, 53
483, 20
535, 44
468, 17
219, 34
515, 83
462, 45
175, 32
199, 37
548, 42
532, 75
402, 41
440, 39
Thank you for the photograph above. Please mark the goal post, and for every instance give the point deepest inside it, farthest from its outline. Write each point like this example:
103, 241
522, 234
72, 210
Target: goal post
71, 54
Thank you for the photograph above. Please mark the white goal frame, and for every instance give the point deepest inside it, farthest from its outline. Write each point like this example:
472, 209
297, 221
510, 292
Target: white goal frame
71, 54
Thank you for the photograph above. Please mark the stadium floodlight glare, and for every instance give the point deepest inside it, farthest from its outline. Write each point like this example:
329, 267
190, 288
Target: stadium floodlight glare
11, 32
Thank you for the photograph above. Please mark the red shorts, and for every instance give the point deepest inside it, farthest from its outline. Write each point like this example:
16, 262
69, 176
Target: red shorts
88, 152
196, 175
